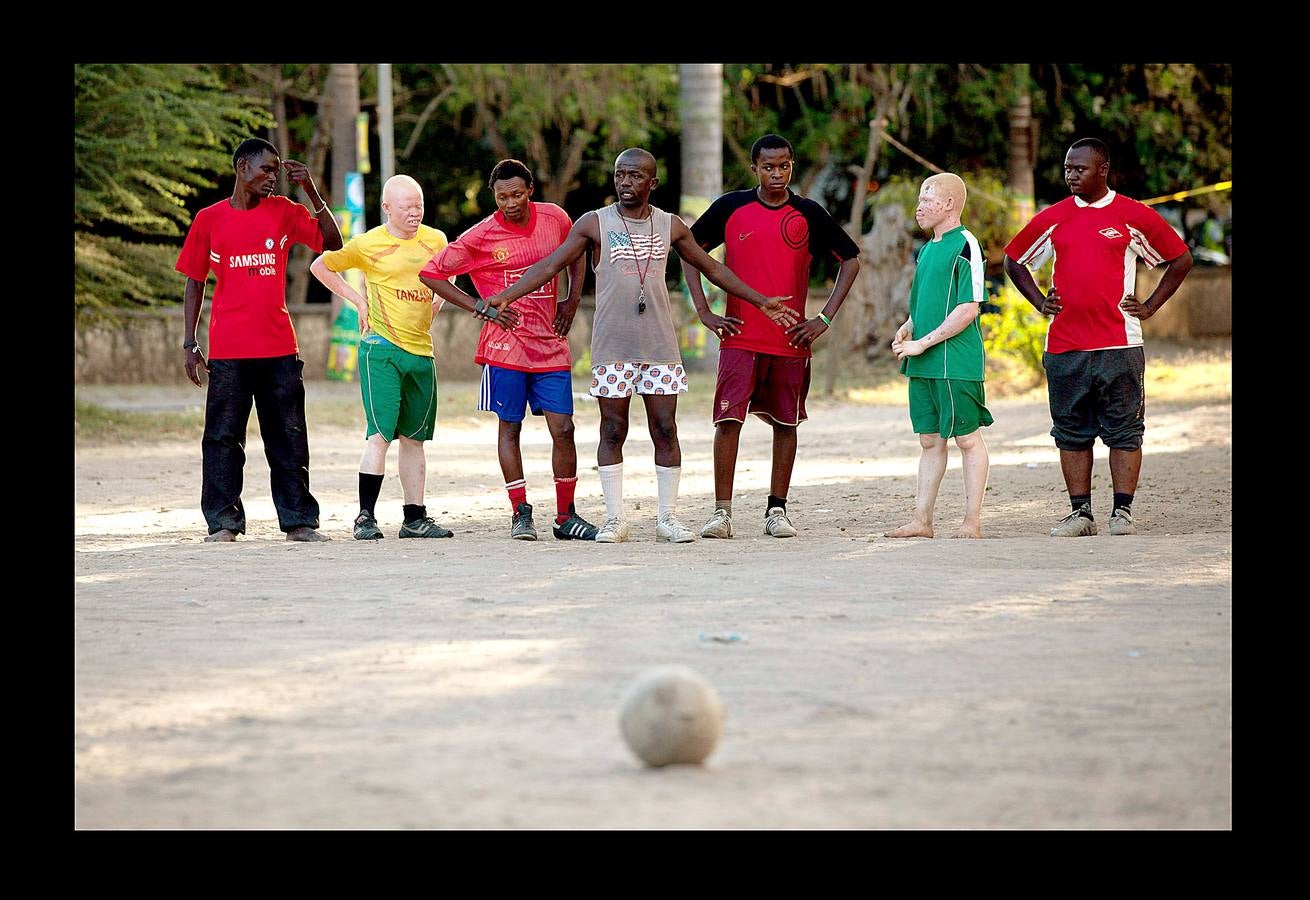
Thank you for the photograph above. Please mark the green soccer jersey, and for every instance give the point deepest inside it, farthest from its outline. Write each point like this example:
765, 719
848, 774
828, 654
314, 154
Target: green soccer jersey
949, 272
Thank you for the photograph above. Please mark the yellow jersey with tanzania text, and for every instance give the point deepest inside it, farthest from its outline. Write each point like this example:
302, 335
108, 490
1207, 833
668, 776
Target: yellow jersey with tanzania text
400, 307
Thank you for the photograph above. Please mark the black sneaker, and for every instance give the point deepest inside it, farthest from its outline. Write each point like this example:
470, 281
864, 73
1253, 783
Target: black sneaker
521, 527
574, 528
424, 528
366, 528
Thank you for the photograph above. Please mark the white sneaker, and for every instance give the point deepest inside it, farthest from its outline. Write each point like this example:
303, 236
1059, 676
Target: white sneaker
718, 526
670, 529
1075, 524
776, 524
1121, 522
614, 531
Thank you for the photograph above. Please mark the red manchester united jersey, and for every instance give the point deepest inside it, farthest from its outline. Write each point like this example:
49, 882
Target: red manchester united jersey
495, 253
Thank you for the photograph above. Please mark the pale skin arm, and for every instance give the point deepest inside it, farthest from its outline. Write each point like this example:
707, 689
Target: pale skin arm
957, 321
339, 286
905, 332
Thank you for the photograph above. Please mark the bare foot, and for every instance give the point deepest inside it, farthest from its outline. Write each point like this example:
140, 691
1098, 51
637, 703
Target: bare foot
969, 530
913, 529
305, 533
222, 536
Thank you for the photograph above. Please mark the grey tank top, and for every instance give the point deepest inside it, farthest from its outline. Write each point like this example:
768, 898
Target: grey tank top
619, 333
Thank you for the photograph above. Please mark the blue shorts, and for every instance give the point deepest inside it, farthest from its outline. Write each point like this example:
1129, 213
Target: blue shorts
507, 392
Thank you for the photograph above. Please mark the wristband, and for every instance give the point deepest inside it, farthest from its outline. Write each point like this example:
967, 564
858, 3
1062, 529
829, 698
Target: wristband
826, 320
319, 211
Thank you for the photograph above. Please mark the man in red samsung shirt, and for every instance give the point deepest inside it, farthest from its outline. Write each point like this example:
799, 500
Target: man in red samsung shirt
773, 238
253, 354
1094, 361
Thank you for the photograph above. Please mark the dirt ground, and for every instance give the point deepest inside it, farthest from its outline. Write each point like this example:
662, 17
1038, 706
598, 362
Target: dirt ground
1014, 682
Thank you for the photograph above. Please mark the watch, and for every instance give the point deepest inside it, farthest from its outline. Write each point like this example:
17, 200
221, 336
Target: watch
191, 345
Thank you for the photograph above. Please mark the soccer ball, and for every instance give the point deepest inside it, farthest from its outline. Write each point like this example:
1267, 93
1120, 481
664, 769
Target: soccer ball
670, 715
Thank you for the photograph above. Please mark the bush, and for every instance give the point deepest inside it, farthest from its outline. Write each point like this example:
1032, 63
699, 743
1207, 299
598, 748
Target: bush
1015, 336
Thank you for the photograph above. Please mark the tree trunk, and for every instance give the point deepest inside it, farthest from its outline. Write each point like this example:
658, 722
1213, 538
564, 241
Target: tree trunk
700, 95
343, 82
855, 308
278, 133
1022, 146
315, 158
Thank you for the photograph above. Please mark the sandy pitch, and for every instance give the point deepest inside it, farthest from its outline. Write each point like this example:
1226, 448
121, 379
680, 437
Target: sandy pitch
1016, 681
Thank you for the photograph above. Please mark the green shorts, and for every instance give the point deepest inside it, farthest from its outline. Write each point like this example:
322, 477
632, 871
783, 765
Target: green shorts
399, 390
948, 406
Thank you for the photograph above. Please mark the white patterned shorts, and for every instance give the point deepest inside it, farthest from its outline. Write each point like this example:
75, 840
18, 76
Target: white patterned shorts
622, 379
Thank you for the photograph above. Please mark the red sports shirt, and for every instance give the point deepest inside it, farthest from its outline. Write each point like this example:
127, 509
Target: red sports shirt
772, 249
247, 249
495, 253
1096, 249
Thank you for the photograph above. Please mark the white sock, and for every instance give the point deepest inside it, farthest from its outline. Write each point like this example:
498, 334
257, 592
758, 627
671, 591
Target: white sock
667, 478
611, 485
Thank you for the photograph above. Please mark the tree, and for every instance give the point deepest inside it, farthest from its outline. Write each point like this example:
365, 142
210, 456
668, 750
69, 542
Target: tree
146, 137
700, 96
565, 120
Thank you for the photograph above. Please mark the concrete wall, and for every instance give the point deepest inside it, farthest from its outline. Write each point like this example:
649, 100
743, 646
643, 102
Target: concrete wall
148, 348
1202, 306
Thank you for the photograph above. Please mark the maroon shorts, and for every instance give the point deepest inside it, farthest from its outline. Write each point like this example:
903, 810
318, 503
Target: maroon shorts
771, 387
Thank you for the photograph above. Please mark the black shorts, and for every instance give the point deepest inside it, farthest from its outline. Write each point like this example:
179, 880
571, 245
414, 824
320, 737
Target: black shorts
1097, 393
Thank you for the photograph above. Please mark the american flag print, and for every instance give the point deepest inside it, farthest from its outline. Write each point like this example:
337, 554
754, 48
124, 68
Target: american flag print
637, 246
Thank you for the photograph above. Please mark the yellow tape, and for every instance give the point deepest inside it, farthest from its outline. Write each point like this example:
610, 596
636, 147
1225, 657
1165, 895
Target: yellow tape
1221, 186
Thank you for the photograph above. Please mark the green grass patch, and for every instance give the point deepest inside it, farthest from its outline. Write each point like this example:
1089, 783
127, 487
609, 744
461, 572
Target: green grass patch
93, 423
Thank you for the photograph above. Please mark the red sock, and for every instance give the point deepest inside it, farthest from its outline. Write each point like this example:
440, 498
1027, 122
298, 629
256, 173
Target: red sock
518, 493
564, 488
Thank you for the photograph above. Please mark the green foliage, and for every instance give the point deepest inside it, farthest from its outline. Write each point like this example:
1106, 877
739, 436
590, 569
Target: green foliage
111, 274
582, 365
146, 137
1016, 335
1169, 127
986, 211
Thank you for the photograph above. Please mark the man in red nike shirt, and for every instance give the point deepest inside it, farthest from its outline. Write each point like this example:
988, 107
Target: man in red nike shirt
772, 237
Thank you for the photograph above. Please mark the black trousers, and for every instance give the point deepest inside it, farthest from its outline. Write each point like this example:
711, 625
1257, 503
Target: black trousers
277, 388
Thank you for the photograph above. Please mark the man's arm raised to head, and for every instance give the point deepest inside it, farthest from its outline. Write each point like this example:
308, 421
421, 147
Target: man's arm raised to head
690, 251
584, 233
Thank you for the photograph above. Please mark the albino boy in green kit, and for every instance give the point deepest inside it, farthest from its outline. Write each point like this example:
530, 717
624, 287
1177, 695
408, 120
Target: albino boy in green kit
940, 348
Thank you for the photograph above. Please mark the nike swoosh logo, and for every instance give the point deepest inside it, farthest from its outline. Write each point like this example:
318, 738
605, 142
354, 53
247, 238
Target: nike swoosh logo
742, 237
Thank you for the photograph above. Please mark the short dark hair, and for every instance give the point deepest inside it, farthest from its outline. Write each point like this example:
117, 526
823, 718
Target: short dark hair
1097, 145
507, 169
770, 142
252, 147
